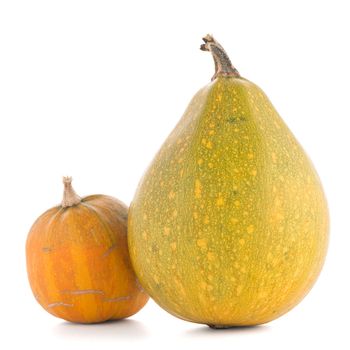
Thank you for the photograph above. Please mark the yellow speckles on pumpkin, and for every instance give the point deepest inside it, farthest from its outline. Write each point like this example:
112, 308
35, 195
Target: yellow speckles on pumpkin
179, 141
173, 246
241, 241
144, 235
212, 125
253, 172
237, 203
166, 231
250, 229
144, 217
220, 202
197, 189
210, 277
174, 215
202, 242
195, 215
250, 155
210, 165
234, 221
171, 194
239, 290
206, 220
219, 98
200, 161
156, 279
211, 256
281, 177
211, 132
209, 145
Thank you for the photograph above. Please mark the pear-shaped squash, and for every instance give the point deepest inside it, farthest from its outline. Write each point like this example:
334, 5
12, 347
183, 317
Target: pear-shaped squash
229, 224
78, 262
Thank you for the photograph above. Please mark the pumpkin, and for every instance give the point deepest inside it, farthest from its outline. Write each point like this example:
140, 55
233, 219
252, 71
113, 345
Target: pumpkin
78, 262
229, 224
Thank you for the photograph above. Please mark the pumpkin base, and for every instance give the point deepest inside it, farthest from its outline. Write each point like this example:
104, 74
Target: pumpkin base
219, 326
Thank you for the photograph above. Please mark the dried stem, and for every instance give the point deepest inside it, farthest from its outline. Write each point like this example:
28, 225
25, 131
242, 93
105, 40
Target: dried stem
70, 198
223, 65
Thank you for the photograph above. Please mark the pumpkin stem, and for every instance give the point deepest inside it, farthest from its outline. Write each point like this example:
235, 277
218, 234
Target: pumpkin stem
70, 198
223, 65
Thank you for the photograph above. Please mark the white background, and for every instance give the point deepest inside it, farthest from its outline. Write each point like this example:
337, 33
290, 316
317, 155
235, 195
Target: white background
92, 88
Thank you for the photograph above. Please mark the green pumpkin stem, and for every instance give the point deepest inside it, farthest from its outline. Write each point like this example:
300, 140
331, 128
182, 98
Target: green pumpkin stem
70, 197
223, 65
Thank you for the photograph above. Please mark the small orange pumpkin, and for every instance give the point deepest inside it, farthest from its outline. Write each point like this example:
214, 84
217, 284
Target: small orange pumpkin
78, 261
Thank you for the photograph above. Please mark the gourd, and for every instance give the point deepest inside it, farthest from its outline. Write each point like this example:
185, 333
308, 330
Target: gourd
78, 262
229, 224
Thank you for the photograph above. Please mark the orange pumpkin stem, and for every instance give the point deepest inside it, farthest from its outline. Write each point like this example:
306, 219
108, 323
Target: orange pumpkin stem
70, 198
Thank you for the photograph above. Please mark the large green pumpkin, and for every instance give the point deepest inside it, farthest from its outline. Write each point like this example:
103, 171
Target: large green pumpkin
229, 224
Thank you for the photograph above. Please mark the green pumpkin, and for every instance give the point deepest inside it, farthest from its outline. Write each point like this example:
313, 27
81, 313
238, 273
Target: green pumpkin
229, 224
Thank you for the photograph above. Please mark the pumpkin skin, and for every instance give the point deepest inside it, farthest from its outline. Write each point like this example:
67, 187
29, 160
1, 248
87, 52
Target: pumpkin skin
229, 224
78, 262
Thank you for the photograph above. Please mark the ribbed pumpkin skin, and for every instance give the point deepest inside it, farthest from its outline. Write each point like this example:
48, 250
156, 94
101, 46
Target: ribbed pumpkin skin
78, 262
229, 224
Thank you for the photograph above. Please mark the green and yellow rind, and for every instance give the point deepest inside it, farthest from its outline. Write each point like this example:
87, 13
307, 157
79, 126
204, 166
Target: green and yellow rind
229, 224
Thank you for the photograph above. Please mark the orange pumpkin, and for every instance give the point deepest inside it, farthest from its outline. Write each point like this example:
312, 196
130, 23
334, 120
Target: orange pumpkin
78, 262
